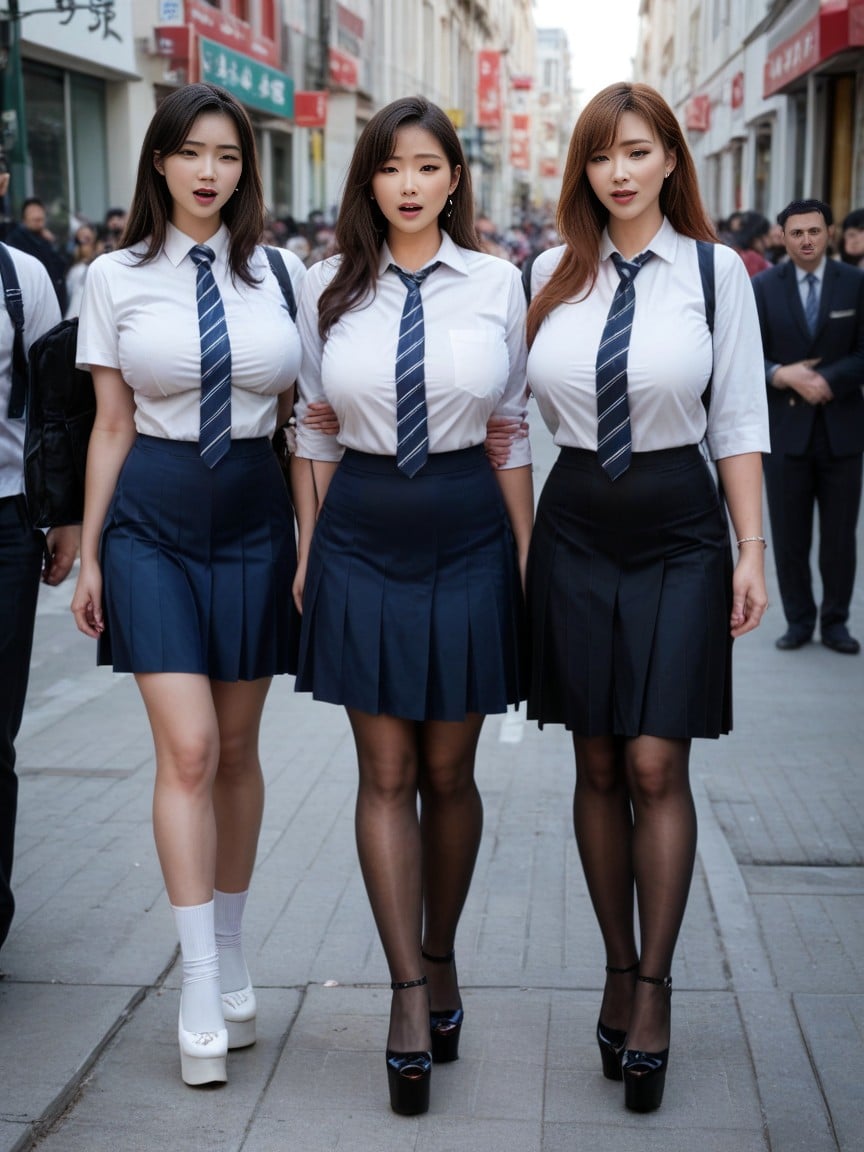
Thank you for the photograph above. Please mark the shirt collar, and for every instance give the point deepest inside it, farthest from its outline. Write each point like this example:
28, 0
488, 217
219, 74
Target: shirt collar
178, 244
448, 253
801, 275
664, 244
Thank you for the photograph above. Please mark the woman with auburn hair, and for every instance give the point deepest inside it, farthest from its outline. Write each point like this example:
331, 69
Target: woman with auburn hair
633, 602
410, 586
187, 546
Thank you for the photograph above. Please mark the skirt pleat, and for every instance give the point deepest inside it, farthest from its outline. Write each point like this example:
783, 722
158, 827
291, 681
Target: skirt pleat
412, 605
198, 564
629, 596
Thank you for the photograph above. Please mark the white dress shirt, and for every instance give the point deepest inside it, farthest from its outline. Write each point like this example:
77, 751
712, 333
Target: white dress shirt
41, 312
801, 275
143, 319
474, 315
670, 357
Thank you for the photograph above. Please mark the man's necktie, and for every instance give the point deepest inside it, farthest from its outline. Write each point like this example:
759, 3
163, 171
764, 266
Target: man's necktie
412, 437
811, 304
214, 436
613, 413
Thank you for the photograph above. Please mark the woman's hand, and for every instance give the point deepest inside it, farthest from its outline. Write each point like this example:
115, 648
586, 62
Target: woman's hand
321, 417
749, 595
299, 583
501, 432
87, 601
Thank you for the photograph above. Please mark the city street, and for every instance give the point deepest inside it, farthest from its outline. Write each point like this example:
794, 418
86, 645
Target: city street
768, 1000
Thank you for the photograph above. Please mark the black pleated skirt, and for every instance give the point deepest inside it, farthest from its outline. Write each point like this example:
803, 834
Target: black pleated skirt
629, 598
412, 605
198, 563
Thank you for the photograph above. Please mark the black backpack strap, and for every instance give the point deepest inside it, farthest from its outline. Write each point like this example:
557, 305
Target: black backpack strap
15, 308
277, 264
705, 252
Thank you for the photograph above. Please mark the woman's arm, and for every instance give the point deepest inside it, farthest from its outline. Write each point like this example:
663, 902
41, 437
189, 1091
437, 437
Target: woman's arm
112, 436
517, 488
310, 480
742, 484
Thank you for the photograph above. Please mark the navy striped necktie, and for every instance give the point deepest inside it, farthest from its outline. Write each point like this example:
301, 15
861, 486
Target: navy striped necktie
412, 435
214, 436
811, 304
614, 446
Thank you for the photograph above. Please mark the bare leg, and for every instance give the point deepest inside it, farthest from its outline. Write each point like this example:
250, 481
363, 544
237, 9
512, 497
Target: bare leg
603, 823
388, 844
664, 848
451, 824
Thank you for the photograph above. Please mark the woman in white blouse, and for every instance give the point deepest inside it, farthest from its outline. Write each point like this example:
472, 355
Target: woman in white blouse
410, 587
185, 562
632, 600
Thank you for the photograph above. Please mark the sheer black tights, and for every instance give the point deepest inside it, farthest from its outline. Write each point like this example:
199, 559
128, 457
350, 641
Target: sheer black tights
635, 826
417, 867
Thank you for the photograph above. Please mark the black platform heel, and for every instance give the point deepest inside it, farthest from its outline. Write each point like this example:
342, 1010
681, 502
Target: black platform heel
645, 1072
409, 1074
446, 1027
611, 1040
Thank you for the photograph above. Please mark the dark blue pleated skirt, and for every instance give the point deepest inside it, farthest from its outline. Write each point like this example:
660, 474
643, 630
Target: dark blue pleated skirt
198, 562
412, 605
629, 597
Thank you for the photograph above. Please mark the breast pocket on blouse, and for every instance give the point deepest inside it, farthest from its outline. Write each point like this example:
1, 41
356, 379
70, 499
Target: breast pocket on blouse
480, 361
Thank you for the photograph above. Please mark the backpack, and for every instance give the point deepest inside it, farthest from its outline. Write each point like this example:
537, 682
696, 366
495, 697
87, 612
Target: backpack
61, 408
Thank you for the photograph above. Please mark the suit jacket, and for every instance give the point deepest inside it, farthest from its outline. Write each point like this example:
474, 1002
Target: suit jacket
45, 252
838, 344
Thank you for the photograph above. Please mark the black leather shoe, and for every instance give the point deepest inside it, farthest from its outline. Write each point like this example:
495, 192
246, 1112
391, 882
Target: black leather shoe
841, 641
790, 640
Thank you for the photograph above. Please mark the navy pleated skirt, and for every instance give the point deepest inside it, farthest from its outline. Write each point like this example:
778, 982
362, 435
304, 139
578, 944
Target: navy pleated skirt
629, 597
198, 563
412, 605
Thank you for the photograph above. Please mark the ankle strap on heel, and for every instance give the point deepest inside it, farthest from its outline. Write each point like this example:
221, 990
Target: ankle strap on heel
448, 959
613, 971
399, 985
666, 982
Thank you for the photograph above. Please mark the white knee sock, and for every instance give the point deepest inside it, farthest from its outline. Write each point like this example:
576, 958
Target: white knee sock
233, 972
201, 1006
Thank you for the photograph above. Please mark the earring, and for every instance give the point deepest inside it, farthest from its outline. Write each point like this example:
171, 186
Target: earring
667, 175
449, 207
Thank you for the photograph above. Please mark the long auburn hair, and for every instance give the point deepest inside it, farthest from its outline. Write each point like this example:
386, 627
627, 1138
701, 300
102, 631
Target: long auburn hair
361, 227
150, 212
581, 217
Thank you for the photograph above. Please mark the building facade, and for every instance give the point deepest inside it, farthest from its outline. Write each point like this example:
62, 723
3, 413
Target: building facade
771, 95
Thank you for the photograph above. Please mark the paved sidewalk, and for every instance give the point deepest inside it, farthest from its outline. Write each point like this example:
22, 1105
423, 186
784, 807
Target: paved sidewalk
768, 1008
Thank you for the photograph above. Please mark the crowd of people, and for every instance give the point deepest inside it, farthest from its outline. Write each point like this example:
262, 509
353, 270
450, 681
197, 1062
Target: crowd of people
419, 591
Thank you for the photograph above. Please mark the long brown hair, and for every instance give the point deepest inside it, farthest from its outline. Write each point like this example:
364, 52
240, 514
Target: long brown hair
361, 227
582, 218
151, 203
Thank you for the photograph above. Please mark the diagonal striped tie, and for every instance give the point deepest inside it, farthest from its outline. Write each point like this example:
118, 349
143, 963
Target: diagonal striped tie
412, 437
214, 436
613, 414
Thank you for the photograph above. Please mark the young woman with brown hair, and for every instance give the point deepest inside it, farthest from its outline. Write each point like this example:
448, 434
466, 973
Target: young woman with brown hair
633, 603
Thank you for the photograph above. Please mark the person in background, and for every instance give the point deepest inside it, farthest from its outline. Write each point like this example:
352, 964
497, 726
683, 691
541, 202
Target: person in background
113, 228
811, 312
749, 241
31, 235
25, 553
632, 598
411, 546
851, 245
86, 248
188, 544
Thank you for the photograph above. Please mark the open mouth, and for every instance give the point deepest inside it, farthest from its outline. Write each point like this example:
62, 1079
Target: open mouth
410, 209
204, 195
623, 197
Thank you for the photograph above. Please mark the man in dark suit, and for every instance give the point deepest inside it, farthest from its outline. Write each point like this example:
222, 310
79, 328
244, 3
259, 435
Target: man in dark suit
31, 235
811, 310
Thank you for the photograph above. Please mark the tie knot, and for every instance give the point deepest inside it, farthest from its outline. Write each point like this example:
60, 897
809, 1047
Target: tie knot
414, 279
201, 254
627, 269
812, 279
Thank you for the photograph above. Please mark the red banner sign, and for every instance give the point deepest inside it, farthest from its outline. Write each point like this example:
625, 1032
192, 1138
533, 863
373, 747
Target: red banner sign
737, 95
223, 28
310, 109
697, 114
488, 89
520, 141
344, 72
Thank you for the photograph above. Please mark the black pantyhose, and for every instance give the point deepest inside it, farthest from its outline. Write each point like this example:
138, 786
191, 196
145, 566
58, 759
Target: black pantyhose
635, 826
417, 865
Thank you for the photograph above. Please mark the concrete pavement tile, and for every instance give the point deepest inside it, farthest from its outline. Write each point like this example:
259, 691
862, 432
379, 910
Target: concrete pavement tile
134, 1099
816, 943
802, 880
833, 1027
792, 1101
335, 1131
644, 1134
50, 1035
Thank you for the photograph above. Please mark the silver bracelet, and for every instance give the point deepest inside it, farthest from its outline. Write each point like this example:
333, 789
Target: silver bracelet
753, 540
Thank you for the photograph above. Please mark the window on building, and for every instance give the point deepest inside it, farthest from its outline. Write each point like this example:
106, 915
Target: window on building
762, 168
428, 45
